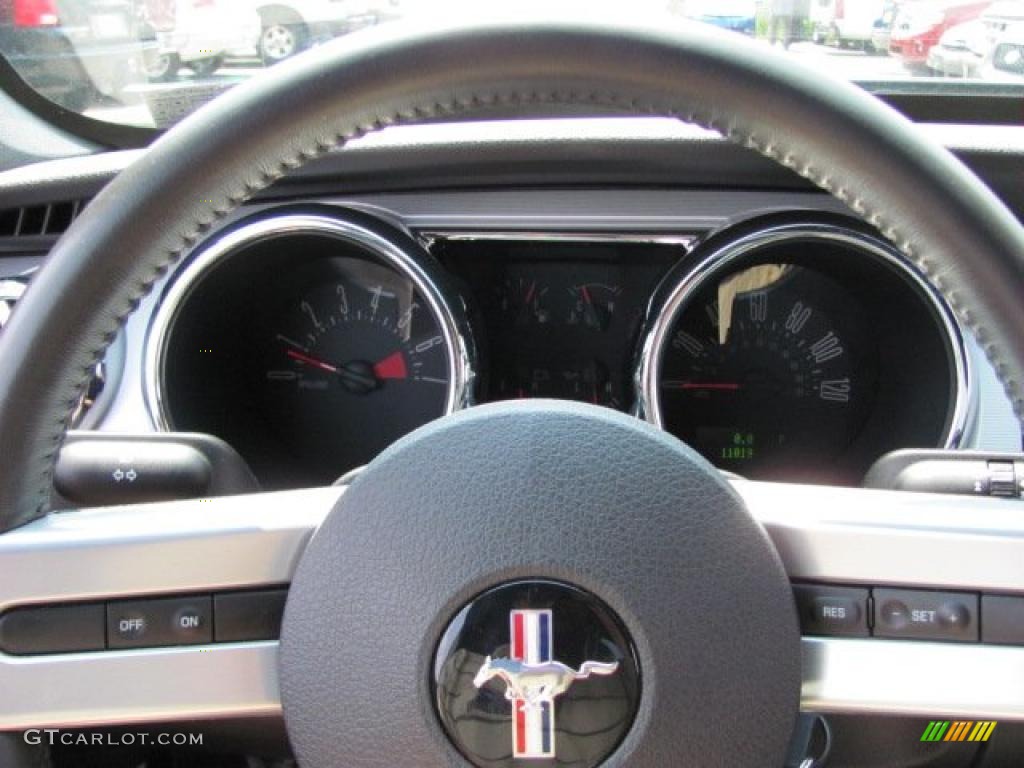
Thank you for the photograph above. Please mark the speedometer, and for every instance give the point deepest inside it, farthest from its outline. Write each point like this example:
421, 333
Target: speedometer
759, 375
802, 352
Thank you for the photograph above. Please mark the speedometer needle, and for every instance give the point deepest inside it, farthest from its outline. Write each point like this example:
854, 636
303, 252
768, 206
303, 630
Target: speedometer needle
722, 386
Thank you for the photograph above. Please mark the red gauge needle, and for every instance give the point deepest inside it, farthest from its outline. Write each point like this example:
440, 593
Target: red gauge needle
391, 367
529, 293
303, 358
722, 386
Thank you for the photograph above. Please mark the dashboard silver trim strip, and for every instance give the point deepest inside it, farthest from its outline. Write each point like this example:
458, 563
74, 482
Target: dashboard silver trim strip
896, 677
685, 241
660, 325
822, 534
223, 246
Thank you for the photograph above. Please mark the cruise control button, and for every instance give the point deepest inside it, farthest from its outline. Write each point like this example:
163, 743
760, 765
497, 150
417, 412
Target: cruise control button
52, 629
895, 614
923, 615
1003, 619
159, 622
252, 615
826, 610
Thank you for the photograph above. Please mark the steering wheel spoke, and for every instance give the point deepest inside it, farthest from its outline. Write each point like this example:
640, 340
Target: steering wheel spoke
188, 548
920, 541
823, 534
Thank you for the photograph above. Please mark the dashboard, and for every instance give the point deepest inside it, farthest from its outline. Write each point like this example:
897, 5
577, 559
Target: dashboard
795, 347
767, 327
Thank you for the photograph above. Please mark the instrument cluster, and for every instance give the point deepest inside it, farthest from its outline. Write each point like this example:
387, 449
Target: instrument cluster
784, 348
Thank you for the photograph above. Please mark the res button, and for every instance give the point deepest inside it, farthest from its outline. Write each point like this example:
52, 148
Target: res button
826, 610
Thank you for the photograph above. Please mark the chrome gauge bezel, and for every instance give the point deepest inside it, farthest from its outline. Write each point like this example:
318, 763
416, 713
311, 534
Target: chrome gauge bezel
675, 294
217, 250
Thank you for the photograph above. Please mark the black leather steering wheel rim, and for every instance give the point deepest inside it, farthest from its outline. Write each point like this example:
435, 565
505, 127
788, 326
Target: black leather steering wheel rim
848, 143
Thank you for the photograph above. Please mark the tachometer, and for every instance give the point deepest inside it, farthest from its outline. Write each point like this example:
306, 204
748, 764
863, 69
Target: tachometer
353, 363
310, 340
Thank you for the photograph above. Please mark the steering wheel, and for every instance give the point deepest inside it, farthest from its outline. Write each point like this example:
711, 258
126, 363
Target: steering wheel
633, 532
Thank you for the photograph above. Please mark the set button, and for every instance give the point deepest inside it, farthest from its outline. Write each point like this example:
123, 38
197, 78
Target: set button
925, 615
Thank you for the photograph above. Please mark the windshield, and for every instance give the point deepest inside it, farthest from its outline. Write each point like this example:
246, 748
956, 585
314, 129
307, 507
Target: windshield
149, 63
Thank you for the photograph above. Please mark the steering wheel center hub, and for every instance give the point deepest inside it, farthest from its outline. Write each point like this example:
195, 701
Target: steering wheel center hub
536, 670
419, 572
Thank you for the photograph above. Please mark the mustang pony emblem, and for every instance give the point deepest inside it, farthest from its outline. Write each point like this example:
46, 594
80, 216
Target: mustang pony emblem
536, 683
533, 680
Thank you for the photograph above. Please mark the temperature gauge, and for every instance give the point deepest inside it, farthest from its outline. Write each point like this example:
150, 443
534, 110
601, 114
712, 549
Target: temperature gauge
593, 305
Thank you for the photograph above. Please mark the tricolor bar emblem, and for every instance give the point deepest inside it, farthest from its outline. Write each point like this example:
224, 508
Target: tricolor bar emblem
533, 724
958, 730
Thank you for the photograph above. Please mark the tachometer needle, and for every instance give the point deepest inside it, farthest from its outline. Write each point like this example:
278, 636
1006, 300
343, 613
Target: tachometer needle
303, 358
720, 386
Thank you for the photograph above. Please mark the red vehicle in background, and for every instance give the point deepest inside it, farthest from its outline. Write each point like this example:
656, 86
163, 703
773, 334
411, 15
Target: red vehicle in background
919, 25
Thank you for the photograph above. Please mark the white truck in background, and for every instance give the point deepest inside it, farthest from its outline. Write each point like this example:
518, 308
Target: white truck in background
846, 23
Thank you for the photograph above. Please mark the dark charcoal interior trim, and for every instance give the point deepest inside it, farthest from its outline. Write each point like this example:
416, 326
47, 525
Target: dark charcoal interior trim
575, 153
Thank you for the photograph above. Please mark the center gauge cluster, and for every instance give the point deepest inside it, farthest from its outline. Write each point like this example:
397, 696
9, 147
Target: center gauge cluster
798, 347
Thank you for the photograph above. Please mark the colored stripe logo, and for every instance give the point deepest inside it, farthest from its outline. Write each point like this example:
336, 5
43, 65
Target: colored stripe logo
958, 730
533, 726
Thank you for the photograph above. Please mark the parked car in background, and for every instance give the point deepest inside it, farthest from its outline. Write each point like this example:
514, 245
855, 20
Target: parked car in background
73, 51
960, 50
198, 34
846, 23
920, 24
999, 19
1005, 61
290, 26
734, 15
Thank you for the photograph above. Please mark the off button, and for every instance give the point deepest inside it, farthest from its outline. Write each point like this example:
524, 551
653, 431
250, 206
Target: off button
161, 622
